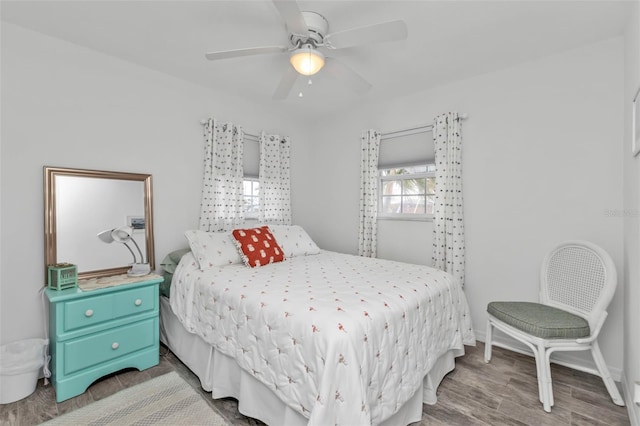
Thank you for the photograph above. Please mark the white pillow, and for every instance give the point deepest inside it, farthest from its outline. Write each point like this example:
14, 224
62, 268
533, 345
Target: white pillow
294, 240
212, 249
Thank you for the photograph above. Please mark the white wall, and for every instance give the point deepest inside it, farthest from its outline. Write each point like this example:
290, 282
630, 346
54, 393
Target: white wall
631, 216
541, 164
67, 106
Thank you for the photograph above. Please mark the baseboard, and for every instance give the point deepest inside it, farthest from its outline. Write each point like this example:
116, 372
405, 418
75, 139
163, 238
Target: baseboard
632, 409
560, 358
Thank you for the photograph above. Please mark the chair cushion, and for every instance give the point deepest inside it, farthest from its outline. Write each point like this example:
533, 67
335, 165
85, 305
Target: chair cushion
540, 320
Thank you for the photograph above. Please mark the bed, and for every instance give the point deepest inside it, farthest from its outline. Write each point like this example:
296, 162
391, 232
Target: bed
320, 338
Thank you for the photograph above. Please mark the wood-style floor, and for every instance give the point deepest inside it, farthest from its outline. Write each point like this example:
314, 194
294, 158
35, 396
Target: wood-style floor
503, 392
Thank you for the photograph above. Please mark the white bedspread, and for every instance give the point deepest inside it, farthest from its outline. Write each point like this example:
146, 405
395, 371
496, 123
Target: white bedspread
341, 339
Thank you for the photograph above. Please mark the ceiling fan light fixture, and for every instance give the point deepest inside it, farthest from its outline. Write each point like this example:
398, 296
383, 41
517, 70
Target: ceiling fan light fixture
307, 60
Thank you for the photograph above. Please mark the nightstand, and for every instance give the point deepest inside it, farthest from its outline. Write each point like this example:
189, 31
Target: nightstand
95, 333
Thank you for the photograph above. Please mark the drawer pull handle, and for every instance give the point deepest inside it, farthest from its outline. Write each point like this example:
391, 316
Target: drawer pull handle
138, 302
115, 345
88, 313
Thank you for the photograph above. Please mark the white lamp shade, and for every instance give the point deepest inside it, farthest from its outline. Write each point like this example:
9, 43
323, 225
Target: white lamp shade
122, 234
307, 61
106, 236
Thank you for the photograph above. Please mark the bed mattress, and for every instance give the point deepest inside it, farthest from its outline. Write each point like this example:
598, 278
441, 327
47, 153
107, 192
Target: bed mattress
337, 338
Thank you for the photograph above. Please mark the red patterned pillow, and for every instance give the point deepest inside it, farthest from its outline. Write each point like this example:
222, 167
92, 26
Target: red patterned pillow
257, 246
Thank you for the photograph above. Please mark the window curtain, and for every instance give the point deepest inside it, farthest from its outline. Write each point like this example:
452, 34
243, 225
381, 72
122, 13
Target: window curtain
221, 207
448, 223
274, 179
367, 235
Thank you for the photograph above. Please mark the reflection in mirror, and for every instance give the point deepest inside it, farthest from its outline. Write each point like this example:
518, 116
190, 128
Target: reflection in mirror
80, 204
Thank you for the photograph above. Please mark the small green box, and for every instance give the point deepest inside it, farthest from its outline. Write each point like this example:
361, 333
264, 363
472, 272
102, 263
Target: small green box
62, 276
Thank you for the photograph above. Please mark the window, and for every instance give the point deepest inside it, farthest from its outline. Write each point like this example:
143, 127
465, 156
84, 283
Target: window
250, 183
251, 197
407, 192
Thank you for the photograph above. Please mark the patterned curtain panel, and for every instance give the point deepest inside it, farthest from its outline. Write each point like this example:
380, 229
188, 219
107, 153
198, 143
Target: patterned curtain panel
367, 236
448, 222
221, 208
275, 183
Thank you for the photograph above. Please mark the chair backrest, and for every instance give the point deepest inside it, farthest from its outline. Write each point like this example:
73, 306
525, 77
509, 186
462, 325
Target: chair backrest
578, 277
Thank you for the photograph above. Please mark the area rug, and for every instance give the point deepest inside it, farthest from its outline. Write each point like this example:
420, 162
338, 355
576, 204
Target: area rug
164, 400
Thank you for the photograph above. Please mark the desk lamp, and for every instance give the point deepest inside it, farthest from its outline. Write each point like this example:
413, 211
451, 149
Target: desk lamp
123, 235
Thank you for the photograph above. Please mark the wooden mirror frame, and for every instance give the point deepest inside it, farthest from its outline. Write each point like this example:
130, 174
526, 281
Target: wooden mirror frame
50, 231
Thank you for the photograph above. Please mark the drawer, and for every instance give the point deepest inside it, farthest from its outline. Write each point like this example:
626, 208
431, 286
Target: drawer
87, 311
132, 302
85, 352
97, 309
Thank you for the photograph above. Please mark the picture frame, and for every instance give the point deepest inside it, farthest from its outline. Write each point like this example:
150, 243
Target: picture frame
635, 124
138, 223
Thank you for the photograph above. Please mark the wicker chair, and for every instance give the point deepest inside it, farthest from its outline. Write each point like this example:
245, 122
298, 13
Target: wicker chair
577, 282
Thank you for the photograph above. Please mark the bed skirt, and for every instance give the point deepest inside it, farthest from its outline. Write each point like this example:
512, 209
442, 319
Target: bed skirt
221, 375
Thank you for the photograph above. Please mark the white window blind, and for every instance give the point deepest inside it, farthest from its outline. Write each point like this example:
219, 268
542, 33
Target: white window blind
251, 159
406, 149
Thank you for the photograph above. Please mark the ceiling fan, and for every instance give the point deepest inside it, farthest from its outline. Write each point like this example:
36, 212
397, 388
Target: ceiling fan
308, 33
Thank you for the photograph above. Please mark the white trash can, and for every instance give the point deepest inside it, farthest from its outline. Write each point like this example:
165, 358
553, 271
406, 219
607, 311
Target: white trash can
20, 364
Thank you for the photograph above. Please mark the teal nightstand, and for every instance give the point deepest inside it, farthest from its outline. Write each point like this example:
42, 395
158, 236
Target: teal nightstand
95, 333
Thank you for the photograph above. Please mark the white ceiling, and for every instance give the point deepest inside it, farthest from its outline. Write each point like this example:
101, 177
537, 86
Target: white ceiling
448, 40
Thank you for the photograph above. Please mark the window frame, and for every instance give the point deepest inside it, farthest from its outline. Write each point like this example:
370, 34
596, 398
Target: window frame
421, 217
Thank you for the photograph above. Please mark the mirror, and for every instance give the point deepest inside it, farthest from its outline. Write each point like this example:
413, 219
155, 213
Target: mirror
80, 204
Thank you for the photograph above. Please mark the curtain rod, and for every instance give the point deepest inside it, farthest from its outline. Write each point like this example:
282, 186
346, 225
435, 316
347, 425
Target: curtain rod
414, 130
247, 135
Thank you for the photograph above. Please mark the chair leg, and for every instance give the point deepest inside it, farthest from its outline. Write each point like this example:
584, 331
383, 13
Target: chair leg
544, 378
539, 371
548, 378
538, 375
606, 376
487, 342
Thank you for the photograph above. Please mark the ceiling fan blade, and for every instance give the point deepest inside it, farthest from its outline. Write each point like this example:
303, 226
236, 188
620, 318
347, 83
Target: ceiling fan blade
342, 72
225, 54
286, 83
376, 33
292, 17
